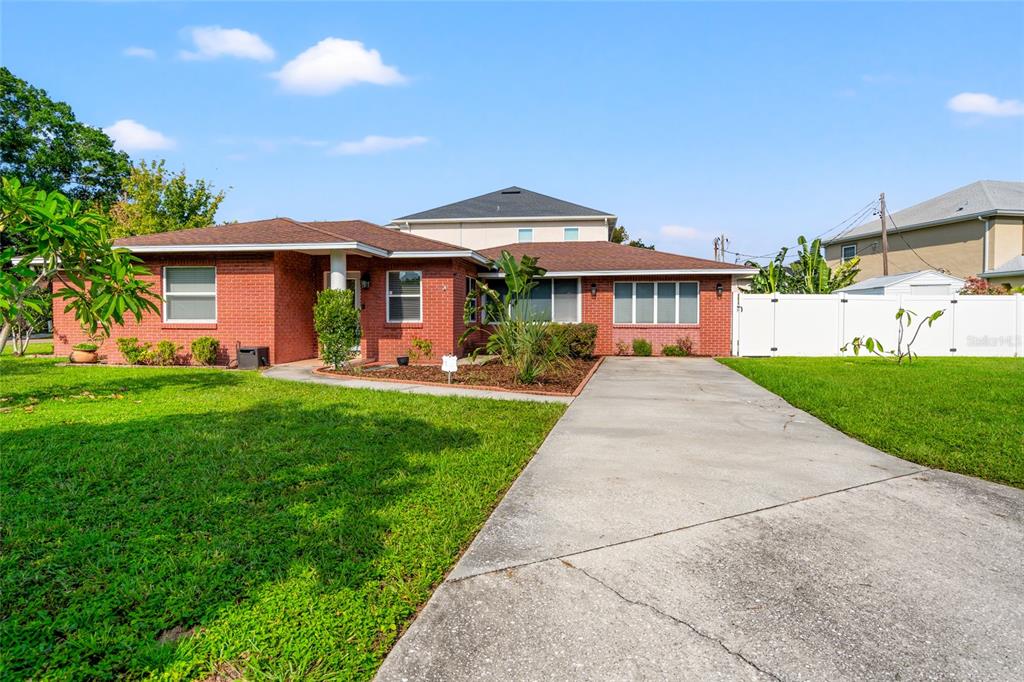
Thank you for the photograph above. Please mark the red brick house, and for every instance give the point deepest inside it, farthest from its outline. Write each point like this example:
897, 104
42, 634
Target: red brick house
255, 283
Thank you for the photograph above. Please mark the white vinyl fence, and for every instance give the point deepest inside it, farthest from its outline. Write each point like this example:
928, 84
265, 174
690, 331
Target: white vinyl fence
815, 325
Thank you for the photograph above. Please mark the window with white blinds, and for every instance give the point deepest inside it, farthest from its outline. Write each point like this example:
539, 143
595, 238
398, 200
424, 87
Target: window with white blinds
190, 294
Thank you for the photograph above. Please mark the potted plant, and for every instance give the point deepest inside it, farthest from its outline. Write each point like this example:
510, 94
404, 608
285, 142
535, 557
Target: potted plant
84, 354
403, 360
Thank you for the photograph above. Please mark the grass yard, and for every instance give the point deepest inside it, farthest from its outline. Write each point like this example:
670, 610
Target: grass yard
203, 524
34, 348
959, 414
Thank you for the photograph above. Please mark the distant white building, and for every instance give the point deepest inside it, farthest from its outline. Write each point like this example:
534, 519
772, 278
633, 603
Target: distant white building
920, 282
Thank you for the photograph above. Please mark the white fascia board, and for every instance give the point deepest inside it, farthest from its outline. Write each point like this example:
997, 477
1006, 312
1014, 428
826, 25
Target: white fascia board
472, 255
241, 248
502, 219
997, 273
628, 273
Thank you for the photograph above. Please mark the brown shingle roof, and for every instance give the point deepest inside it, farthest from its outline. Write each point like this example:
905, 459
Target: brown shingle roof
605, 257
288, 231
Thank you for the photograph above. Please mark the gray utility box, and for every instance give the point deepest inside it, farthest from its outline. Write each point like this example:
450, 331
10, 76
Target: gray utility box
253, 357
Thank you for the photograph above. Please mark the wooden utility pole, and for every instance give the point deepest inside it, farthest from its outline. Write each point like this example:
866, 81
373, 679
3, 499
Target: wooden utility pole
716, 248
885, 236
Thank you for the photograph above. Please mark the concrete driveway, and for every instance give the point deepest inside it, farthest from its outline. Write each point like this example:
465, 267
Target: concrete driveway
681, 522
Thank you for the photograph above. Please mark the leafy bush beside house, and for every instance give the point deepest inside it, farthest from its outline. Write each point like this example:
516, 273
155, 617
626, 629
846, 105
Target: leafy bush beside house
133, 352
580, 339
336, 321
642, 348
204, 350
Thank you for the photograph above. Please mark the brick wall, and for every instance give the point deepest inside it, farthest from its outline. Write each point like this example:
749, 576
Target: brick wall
245, 310
296, 282
712, 336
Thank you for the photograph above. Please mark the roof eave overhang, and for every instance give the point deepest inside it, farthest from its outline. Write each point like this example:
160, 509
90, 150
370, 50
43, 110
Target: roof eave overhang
398, 222
1005, 273
357, 247
930, 223
633, 273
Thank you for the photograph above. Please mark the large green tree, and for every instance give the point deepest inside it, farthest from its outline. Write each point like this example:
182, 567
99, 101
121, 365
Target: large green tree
809, 273
156, 200
64, 248
45, 146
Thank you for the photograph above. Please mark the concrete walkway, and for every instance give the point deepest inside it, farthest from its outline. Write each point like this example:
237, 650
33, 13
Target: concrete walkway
680, 522
303, 371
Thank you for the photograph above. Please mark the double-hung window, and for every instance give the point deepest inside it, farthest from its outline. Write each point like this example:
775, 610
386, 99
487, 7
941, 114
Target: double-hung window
551, 300
525, 235
571, 234
405, 296
190, 294
656, 303
849, 252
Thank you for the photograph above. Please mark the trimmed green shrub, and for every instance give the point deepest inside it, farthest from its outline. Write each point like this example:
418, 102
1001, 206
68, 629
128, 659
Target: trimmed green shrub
166, 353
86, 347
578, 340
673, 351
204, 349
336, 321
133, 352
641, 347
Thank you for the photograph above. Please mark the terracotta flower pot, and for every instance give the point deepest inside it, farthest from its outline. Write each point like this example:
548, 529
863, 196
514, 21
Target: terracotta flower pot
84, 357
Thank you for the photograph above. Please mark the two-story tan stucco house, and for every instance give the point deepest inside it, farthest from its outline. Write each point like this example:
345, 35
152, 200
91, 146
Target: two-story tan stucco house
973, 230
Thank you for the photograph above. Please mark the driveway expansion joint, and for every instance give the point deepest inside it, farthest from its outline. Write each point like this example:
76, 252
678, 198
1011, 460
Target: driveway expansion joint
678, 621
617, 543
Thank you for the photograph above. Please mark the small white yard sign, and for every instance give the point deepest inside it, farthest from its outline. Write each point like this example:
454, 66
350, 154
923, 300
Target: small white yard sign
449, 364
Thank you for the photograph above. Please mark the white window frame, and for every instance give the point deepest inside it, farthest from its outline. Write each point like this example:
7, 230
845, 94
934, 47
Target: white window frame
565, 231
844, 257
470, 284
675, 309
166, 307
579, 299
388, 296
519, 235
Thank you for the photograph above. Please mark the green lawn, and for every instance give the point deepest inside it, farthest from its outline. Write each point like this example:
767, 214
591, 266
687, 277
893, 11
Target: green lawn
291, 529
34, 348
959, 414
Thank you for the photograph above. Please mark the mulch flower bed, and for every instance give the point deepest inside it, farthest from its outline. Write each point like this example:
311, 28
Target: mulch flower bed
562, 381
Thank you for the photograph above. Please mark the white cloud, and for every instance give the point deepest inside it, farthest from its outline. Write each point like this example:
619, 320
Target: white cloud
375, 144
140, 52
985, 105
680, 232
132, 136
333, 64
212, 42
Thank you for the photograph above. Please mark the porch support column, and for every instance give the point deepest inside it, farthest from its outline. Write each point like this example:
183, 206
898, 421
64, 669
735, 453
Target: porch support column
339, 270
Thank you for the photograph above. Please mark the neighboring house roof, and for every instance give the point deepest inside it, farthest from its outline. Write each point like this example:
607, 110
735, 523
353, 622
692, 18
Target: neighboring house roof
982, 198
1014, 266
891, 280
279, 233
591, 258
506, 204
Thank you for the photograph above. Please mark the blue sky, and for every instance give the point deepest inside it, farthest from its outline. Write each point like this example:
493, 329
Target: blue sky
763, 121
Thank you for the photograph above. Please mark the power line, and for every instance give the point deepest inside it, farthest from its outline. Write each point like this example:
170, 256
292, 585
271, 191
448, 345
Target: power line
896, 229
849, 223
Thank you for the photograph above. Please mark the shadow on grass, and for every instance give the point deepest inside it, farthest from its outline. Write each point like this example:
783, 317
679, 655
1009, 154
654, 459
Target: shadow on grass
116, 533
51, 381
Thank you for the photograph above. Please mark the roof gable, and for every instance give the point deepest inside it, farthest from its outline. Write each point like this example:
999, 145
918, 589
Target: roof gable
977, 198
511, 202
